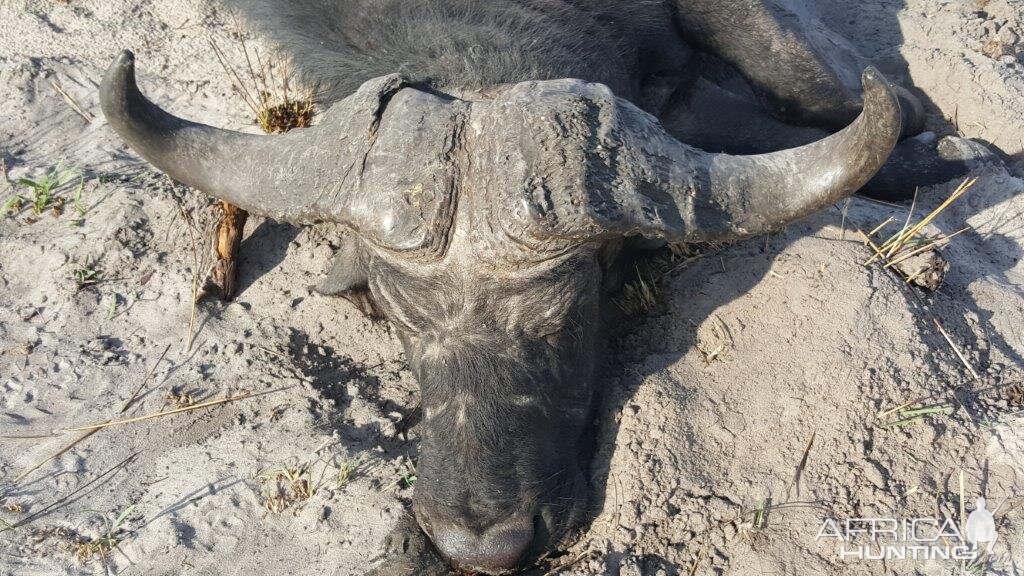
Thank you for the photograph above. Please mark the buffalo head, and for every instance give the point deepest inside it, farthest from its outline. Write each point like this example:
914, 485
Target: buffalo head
488, 227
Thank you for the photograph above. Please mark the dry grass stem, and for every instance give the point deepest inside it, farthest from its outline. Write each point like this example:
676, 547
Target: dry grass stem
276, 108
127, 404
696, 563
562, 567
868, 242
724, 342
160, 414
906, 404
190, 227
880, 226
956, 349
914, 276
103, 545
802, 464
67, 497
290, 484
943, 240
910, 416
56, 454
963, 513
639, 296
908, 243
145, 379
71, 102
938, 325
842, 223
898, 241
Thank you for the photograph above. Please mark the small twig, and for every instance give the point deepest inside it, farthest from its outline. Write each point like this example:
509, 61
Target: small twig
575, 560
144, 380
956, 349
880, 226
71, 102
94, 430
803, 464
906, 404
53, 505
101, 425
56, 454
925, 248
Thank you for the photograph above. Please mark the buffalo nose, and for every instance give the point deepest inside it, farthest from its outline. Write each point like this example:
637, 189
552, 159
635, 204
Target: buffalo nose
496, 550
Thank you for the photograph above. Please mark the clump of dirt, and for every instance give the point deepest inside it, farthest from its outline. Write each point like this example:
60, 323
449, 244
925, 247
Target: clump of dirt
1001, 39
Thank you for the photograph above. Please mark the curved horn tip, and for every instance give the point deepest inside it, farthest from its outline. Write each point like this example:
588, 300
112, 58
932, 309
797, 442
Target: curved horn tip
880, 100
125, 58
121, 70
118, 88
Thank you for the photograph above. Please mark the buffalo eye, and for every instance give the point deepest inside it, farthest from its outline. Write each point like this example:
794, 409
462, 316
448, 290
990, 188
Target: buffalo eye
553, 340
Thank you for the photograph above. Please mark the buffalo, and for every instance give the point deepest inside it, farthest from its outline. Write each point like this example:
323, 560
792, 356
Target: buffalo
501, 165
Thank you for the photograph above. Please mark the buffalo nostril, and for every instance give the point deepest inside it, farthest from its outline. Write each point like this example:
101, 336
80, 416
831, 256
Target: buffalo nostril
496, 550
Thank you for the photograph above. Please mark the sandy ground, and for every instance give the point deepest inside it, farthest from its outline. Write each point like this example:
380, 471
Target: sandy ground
808, 344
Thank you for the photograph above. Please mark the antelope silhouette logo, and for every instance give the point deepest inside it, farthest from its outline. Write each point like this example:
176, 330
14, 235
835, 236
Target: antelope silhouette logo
981, 526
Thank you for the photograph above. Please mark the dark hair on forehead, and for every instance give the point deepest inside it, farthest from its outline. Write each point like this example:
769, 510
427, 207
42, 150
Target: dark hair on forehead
484, 366
339, 44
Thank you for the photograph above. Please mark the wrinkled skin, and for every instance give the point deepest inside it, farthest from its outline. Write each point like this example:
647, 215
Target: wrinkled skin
505, 362
490, 212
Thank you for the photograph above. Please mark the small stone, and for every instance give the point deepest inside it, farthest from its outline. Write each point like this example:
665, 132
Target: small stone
975, 30
1008, 59
1008, 36
27, 312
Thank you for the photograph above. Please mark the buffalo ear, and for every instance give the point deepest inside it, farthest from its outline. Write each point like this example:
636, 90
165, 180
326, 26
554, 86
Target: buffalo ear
348, 270
348, 278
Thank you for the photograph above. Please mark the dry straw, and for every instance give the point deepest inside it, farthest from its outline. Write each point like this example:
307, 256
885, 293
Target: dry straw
897, 242
891, 252
124, 408
162, 413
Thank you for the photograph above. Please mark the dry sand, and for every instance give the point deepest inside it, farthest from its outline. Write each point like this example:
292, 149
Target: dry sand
810, 343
